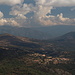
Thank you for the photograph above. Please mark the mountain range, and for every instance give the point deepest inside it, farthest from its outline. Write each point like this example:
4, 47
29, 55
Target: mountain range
24, 32
47, 32
19, 55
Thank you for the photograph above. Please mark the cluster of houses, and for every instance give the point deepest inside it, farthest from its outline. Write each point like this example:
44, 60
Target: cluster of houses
42, 58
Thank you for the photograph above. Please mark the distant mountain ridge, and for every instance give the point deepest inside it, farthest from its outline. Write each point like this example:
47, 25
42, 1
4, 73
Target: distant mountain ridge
58, 30
24, 32
43, 33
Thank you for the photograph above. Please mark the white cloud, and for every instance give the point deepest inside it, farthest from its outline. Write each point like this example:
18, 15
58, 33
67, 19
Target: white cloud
43, 7
1, 14
3, 21
40, 10
57, 20
60, 16
12, 22
8, 21
11, 2
20, 9
21, 16
56, 3
62, 3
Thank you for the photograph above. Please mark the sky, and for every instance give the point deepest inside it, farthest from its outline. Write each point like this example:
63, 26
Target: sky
34, 13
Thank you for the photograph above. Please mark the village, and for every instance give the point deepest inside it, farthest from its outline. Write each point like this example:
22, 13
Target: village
43, 59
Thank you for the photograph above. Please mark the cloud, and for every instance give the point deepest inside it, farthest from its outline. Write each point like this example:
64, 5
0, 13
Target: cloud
8, 21
21, 9
11, 2
56, 3
43, 7
11, 21
57, 20
40, 10
62, 3
3, 21
1, 14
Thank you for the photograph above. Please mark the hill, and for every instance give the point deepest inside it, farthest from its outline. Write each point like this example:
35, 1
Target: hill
25, 56
65, 42
10, 40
